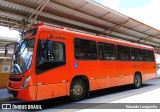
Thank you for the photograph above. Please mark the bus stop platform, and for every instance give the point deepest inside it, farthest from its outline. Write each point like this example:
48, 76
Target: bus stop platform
145, 100
146, 97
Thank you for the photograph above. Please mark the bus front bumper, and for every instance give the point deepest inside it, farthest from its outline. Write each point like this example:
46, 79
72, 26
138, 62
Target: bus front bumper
28, 93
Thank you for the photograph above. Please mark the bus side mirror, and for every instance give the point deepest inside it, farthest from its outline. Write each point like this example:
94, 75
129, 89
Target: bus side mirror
6, 52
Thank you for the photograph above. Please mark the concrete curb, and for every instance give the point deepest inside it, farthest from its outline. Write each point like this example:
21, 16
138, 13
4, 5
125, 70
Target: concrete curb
7, 99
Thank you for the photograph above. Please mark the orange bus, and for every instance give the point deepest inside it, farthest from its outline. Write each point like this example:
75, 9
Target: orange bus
52, 62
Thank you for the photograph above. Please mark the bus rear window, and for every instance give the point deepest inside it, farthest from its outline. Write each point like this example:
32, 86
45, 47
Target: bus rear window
148, 55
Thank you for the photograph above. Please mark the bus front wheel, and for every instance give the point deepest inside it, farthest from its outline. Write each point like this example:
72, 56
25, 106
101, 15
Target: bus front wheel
78, 89
137, 81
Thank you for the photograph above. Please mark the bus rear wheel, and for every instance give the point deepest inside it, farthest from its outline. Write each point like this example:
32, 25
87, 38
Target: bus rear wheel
137, 81
78, 89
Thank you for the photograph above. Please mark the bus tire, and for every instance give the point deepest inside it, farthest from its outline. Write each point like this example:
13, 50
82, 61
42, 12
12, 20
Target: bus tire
78, 89
137, 81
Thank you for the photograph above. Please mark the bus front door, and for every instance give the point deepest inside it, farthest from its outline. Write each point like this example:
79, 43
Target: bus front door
51, 68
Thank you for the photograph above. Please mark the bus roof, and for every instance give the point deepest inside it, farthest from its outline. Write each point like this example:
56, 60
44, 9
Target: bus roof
97, 38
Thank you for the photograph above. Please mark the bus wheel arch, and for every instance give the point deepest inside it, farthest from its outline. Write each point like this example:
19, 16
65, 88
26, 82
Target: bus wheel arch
85, 84
137, 82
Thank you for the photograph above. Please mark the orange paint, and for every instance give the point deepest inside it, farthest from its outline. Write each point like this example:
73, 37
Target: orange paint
101, 74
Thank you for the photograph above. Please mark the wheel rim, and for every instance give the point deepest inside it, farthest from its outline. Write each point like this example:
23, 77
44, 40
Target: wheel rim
137, 80
77, 90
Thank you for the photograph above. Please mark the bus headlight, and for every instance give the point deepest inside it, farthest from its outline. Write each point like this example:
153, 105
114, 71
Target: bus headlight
25, 83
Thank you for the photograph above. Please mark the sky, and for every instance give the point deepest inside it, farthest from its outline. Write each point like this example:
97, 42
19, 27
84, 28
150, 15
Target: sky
145, 11
6, 32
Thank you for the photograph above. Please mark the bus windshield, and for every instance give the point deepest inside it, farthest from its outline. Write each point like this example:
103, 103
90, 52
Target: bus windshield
22, 56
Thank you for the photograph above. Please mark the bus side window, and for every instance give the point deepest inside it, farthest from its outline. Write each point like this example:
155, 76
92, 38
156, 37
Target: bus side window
45, 51
100, 51
42, 53
49, 50
51, 54
148, 55
106, 51
57, 53
123, 53
136, 54
85, 49
152, 56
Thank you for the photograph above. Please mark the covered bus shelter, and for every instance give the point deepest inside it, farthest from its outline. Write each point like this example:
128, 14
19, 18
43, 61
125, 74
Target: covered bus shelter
85, 16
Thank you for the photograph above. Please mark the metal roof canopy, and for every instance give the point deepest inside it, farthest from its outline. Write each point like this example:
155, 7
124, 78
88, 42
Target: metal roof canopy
82, 15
